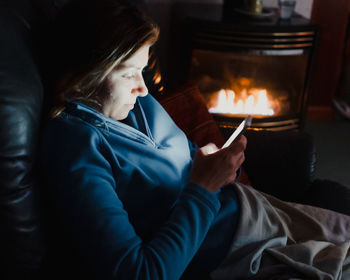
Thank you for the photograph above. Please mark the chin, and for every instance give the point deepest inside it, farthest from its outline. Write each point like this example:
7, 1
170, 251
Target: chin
121, 117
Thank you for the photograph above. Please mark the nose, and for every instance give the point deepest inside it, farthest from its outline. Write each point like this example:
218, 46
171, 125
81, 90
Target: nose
140, 89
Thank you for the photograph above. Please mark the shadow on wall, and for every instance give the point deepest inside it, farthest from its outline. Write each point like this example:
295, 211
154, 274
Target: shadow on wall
160, 11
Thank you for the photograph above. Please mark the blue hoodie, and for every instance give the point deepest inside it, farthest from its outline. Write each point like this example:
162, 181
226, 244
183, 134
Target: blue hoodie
121, 189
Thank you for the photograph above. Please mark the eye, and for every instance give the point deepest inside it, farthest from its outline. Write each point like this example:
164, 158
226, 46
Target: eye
128, 76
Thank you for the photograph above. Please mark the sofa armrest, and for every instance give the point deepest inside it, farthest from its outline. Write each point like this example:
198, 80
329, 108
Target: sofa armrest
328, 194
280, 163
21, 94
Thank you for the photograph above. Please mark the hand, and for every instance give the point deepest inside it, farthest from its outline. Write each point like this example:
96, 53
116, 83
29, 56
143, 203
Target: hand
214, 168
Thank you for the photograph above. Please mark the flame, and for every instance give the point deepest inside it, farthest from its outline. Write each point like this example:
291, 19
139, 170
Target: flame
157, 78
256, 103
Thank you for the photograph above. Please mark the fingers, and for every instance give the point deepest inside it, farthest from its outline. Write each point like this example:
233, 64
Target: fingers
235, 153
234, 168
234, 161
241, 159
239, 144
213, 168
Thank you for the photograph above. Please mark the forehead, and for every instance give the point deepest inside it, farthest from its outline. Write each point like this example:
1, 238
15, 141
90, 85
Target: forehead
138, 60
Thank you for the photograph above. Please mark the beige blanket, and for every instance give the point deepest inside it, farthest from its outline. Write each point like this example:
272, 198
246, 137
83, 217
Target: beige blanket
280, 240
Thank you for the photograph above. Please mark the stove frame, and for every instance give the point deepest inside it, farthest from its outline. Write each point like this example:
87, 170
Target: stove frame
215, 32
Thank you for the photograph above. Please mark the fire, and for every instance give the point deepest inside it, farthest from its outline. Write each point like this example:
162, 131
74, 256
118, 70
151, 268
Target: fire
254, 103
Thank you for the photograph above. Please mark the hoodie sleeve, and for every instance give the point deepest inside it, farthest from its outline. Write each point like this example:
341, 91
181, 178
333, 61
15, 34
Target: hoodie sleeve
82, 189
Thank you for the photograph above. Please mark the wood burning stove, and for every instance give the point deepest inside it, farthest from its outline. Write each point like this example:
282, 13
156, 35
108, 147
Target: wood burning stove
242, 67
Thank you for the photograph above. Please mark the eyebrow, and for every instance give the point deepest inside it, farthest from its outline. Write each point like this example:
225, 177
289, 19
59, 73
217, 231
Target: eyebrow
124, 66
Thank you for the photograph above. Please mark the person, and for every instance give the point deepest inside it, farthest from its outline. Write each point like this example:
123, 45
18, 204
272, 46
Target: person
131, 196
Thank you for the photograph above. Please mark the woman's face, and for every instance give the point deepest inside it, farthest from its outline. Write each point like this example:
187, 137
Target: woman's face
124, 84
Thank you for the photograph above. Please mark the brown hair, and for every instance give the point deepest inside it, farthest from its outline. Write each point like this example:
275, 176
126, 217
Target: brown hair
91, 38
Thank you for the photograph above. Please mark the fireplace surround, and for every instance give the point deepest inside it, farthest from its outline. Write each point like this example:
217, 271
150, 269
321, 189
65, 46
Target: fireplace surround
246, 66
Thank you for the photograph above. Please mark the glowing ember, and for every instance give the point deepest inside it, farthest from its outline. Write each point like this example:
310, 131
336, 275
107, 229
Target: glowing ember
256, 103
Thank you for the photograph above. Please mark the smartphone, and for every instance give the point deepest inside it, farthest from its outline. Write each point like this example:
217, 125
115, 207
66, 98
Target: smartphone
247, 122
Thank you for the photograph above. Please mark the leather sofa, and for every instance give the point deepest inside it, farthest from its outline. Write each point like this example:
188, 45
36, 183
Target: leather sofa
21, 96
285, 171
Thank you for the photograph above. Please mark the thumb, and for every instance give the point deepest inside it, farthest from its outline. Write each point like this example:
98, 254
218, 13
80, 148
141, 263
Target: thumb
209, 149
